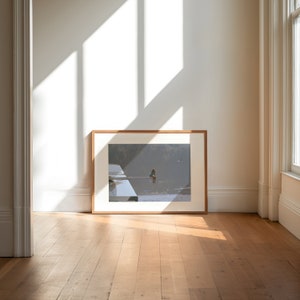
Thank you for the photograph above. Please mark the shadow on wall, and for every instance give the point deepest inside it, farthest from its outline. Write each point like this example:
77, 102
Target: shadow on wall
139, 64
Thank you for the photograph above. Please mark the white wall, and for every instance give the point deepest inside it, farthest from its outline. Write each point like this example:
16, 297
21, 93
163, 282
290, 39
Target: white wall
6, 130
153, 64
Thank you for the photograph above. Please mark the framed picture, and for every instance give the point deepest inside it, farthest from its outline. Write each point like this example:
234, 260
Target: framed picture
149, 171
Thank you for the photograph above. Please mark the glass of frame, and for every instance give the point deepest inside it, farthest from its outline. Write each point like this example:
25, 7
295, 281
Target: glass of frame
149, 171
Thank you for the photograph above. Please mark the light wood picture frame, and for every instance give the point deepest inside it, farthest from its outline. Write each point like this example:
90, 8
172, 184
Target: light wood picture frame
149, 171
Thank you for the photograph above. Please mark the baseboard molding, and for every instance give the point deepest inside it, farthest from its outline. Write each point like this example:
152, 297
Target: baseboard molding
289, 215
220, 199
6, 234
75, 200
289, 203
223, 199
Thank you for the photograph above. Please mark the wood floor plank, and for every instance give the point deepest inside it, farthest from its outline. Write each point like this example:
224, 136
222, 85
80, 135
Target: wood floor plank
177, 257
78, 281
125, 277
102, 279
174, 284
204, 294
148, 275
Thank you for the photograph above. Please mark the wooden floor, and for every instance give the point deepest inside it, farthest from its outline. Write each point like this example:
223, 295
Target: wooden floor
116, 257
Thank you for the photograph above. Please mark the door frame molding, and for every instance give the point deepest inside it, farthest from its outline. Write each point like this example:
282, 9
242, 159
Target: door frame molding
22, 77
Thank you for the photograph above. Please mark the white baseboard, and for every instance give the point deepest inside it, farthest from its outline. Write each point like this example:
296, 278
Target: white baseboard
220, 199
76, 200
223, 199
6, 234
289, 215
289, 203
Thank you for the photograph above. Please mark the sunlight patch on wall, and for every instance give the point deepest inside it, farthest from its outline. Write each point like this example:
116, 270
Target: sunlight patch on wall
54, 128
110, 71
163, 44
175, 121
